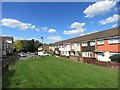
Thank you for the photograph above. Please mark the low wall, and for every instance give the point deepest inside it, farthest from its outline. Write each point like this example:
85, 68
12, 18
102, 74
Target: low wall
74, 58
114, 65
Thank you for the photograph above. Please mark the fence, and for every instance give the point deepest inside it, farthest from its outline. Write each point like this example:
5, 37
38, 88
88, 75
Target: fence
114, 65
9, 60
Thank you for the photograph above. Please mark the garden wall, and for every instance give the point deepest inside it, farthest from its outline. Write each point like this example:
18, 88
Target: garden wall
114, 65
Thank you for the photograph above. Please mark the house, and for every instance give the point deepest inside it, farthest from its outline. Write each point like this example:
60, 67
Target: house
100, 45
40, 48
6, 45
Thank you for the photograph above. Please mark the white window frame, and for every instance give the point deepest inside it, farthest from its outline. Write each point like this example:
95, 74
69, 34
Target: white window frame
84, 43
84, 54
92, 43
100, 42
77, 44
113, 40
113, 53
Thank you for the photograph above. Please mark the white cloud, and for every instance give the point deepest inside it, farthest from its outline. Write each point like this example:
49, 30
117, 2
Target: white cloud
44, 28
117, 9
78, 29
114, 18
4, 35
54, 38
115, 25
37, 29
33, 26
51, 30
13, 23
99, 8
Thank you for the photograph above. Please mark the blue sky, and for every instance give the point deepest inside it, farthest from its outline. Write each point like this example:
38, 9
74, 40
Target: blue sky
57, 21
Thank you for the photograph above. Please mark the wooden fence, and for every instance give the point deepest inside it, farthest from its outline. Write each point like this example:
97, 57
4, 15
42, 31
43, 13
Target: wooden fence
9, 60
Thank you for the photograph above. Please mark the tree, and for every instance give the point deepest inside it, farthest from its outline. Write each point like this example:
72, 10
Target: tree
37, 44
18, 45
26, 45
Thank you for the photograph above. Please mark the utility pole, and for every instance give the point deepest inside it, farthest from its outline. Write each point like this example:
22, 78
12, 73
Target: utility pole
42, 45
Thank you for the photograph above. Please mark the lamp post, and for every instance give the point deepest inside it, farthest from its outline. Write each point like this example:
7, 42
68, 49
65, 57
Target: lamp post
42, 45
42, 42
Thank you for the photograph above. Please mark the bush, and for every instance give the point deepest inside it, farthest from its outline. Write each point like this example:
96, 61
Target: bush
115, 58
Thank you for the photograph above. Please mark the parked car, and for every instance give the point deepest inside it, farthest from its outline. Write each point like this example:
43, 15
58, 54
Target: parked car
43, 54
115, 57
22, 54
33, 56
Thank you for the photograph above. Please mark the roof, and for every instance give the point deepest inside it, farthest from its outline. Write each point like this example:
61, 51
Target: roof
97, 35
6, 38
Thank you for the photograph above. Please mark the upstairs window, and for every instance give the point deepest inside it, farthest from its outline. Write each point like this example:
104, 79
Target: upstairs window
100, 41
73, 44
84, 43
77, 44
113, 40
92, 43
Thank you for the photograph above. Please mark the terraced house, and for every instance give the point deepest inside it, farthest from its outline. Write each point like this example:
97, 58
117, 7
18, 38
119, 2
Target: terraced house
100, 45
6, 45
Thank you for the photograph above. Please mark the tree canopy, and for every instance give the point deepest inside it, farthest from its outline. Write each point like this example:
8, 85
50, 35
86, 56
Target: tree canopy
26, 45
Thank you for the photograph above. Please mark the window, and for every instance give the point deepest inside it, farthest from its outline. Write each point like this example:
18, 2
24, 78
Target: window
84, 54
73, 45
7, 45
111, 54
92, 43
100, 41
55, 46
113, 40
65, 52
77, 44
90, 54
84, 43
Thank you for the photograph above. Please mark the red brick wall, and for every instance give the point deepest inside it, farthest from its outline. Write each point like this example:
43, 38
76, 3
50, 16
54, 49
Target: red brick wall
109, 47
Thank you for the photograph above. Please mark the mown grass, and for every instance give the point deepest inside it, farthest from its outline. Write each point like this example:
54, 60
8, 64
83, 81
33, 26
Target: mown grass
52, 72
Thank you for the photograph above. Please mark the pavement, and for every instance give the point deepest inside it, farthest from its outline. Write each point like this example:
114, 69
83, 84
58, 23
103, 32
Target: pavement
28, 56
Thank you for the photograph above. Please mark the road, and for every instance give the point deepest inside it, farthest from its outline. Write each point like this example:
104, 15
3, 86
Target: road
28, 56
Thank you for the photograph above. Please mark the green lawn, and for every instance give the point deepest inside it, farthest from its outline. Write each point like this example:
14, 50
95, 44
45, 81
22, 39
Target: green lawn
52, 72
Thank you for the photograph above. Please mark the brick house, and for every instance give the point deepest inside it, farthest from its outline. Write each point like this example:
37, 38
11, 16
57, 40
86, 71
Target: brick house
100, 45
6, 45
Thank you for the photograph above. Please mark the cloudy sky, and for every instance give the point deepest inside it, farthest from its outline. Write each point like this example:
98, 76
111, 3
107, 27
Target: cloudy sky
57, 21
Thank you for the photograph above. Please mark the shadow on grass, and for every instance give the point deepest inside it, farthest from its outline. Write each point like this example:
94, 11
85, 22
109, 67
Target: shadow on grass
6, 79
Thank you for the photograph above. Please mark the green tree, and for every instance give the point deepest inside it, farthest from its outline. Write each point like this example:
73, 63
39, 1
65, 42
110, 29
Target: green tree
26, 45
18, 45
37, 44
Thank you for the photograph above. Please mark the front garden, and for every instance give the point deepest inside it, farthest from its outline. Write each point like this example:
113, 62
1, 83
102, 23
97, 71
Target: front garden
52, 72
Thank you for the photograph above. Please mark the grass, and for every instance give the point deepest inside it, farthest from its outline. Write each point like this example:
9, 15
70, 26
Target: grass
52, 72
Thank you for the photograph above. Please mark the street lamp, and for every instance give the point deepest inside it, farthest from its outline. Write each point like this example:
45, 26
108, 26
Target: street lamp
42, 45
42, 42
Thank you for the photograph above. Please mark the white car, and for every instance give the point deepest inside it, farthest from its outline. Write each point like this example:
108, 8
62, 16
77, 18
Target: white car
22, 54
43, 54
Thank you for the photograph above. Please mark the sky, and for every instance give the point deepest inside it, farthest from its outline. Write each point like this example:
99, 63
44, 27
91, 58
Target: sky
56, 21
